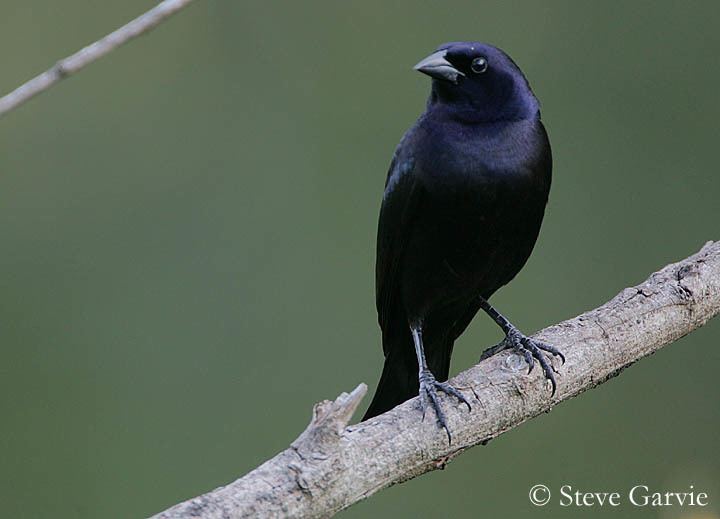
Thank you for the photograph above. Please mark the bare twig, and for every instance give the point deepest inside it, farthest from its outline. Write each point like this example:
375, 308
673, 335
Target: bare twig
333, 465
92, 52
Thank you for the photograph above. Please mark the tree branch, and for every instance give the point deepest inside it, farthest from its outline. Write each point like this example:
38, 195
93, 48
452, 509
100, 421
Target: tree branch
333, 465
93, 52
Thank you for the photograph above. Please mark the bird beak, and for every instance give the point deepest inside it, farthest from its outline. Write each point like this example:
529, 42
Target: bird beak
436, 66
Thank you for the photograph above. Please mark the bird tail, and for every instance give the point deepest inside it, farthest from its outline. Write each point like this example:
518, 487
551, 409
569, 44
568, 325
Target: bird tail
398, 383
399, 379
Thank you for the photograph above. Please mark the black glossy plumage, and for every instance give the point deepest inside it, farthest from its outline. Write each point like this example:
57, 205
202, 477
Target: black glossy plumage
463, 203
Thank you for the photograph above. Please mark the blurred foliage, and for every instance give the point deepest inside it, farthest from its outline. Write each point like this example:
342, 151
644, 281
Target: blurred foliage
188, 236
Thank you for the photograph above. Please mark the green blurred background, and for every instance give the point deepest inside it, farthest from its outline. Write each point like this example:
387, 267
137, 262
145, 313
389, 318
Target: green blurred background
188, 236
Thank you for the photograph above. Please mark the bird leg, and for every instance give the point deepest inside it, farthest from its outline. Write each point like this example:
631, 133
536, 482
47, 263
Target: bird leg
529, 348
429, 386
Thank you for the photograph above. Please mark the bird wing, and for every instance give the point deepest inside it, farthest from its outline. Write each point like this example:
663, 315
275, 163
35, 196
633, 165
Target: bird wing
397, 214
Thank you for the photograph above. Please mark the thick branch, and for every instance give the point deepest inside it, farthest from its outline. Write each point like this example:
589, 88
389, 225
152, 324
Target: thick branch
332, 465
87, 55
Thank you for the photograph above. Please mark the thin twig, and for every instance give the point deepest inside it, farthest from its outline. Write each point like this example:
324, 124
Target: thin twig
72, 64
333, 465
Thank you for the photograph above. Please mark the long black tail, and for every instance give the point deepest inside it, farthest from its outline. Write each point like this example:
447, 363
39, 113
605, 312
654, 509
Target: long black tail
398, 382
399, 379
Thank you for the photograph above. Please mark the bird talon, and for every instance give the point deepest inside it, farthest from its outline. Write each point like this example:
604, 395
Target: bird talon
532, 350
428, 398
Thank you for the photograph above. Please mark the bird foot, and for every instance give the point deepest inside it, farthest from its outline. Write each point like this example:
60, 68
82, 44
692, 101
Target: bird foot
428, 397
531, 349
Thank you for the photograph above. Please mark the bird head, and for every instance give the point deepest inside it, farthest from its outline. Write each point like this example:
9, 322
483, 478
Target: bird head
479, 82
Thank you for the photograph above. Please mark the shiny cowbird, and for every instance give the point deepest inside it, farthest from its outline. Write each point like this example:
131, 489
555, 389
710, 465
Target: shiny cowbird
462, 208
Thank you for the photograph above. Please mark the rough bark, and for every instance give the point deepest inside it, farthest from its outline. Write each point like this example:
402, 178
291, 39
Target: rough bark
333, 465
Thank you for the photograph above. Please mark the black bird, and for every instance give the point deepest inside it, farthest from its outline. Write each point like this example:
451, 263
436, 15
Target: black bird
463, 203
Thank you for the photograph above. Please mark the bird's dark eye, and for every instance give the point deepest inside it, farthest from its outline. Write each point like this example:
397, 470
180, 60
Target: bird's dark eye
479, 65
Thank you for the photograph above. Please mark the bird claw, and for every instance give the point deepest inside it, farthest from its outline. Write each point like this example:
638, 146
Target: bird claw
429, 398
550, 349
531, 350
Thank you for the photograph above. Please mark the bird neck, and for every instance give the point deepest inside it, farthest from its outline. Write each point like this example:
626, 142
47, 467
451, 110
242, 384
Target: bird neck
506, 106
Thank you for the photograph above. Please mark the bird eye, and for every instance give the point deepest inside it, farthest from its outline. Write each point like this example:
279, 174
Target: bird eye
479, 65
